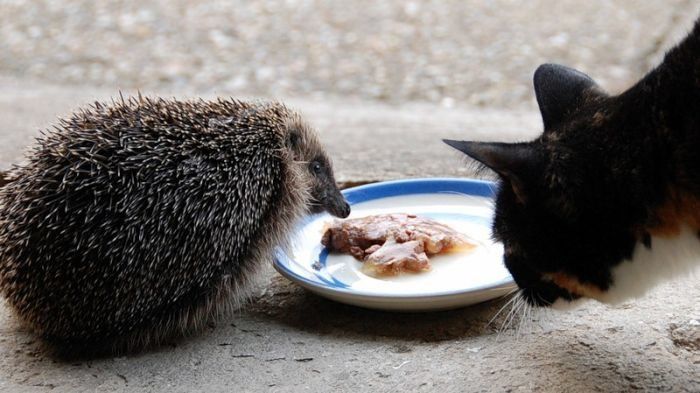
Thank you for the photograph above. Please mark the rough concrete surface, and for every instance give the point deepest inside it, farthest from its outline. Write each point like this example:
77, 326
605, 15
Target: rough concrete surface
382, 83
288, 340
368, 142
473, 52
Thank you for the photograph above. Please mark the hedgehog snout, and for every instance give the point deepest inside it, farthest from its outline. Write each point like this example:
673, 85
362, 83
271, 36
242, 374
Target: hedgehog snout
336, 205
342, 210
325, 194
329, 198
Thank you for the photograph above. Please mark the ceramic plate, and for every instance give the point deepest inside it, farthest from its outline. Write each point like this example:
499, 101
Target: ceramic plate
455, 280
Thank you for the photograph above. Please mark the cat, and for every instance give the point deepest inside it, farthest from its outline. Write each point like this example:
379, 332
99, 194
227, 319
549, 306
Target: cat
605, 203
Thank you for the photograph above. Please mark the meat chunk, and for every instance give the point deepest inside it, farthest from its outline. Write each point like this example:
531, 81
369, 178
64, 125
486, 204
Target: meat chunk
393, 243
393, 258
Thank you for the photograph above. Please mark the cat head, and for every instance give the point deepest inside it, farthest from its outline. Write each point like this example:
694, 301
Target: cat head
564, 208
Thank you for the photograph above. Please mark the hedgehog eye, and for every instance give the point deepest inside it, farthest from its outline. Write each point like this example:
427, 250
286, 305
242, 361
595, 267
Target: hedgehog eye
316, 167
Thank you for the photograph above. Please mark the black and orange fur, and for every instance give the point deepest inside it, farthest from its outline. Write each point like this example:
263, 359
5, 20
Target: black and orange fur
609, 173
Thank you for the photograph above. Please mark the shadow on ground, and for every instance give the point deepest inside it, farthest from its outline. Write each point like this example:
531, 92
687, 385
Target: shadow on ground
291, 305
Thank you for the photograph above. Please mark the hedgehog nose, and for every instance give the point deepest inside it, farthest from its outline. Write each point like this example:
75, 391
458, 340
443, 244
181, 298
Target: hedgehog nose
340, 208
344, 210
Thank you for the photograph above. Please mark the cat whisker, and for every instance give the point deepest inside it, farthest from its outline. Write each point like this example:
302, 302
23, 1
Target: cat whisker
545, 312
512, 291
517, 298
511, 315
506, 304
512, 304
523, 311
526, 320
524, 315
545, 301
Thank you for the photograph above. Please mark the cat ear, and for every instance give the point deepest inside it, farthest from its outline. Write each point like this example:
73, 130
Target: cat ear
559, 91
512, 161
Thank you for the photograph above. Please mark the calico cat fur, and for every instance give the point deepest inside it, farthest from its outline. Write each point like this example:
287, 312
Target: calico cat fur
605, 204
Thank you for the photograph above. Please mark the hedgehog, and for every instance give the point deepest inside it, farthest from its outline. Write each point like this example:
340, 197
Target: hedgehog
143, 219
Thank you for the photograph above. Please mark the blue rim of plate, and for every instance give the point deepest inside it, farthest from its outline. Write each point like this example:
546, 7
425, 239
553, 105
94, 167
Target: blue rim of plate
372, 191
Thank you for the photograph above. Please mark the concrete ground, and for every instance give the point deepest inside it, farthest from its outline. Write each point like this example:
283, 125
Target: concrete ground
288, 340
448, 52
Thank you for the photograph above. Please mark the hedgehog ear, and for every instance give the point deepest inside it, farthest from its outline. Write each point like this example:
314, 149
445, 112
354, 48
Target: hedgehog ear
515, 163
560, 90
293, 141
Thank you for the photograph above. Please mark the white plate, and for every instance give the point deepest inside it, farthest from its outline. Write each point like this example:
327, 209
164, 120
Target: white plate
455, 280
